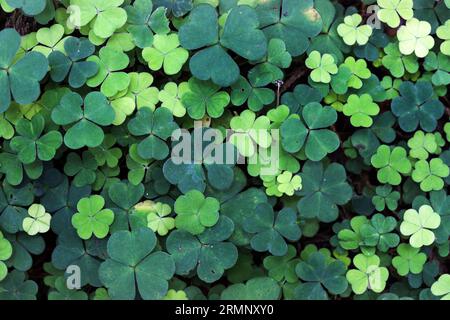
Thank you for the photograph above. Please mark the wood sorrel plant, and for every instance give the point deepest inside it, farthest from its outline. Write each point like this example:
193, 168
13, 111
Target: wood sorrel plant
316, 135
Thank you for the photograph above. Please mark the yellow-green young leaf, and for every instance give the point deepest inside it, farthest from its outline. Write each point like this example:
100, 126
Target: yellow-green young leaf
322, 65
106, 16
443, 33
414, 37
141, 90
391, 10
6, 7
123, 107
195, 212
442, 287
170, 98
175, 295
351, 31
250, 131
368, 275
361, 109
5, 248
111, 77
50, 39
166, 53
38, 221
157, 216
91, 218
288, 184
6, 251
419, 225
409, 260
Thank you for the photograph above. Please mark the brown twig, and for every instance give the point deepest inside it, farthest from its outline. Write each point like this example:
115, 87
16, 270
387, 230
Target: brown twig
295, 75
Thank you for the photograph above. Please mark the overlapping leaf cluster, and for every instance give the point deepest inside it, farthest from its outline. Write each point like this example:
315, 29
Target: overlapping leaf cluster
354, 103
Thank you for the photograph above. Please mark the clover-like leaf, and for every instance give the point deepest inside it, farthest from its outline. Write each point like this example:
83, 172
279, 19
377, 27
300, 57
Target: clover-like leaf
430, 174
110, 76
159, 126
240, 34
368, 275
250, 132
135, 267
391, 163
351, 31
71, 250
422, 144
13, 201
319, 276
62, 292
15, 171
287, 183
170, 97
414, 37
38, 221
292, 21
270, 230
5, 253
165, 52
440, 65
418, 225
323, 189
277, 54
256, 97
106, 153
140, 94
81, 168
106, 16
17, 287
322, 65
398, 63
369, 234
385, 197
352, 237
31, 144
224, 149
204, 98
443, 32
142, 22
190, 170
175, 295
283, 268
91, 218
381, 231
7, 121
73, 65
360, 109
19, 78
86, 120
50, 40
409, 260
124, 197
442, 287
157, 214
29, 7
350, 75
209, 253
391, 11
317, 140
195, 212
